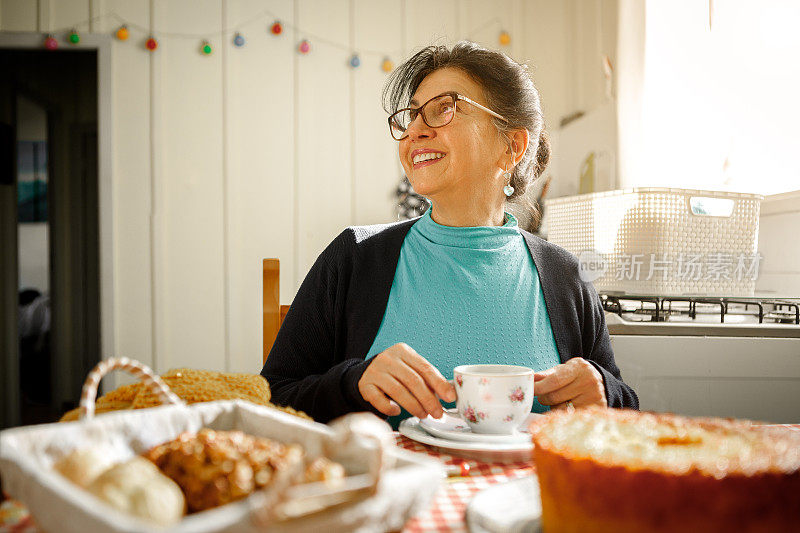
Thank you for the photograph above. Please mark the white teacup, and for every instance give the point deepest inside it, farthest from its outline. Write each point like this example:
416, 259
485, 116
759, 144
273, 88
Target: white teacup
493, 399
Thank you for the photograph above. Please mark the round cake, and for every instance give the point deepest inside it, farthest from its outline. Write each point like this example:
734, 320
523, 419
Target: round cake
625, 471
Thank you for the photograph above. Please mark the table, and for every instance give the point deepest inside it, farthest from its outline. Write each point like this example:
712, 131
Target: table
447, 510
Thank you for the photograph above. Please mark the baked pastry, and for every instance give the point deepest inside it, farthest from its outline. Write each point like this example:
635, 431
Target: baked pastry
137, 487
192, 386
325, 470
217, 467
625, 471
83, 465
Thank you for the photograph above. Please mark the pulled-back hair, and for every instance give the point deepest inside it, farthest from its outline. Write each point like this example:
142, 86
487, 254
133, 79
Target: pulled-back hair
508, 89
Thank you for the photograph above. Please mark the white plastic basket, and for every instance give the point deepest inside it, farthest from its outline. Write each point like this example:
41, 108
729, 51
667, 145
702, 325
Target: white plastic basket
661, 241
384, 486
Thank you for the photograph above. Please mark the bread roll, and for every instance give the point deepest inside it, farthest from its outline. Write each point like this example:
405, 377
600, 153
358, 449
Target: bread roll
137, 487
83, 465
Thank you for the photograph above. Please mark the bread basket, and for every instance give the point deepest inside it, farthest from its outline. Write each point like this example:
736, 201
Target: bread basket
384, 486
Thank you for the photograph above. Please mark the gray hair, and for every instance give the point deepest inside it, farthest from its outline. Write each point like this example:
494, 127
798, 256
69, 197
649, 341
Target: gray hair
508, 89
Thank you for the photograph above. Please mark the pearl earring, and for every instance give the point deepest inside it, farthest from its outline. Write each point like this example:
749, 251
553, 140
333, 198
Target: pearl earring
508, 190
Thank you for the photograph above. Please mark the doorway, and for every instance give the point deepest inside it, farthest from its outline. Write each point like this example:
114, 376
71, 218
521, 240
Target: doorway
49, 276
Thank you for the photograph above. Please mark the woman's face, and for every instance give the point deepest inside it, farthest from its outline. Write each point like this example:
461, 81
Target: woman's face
474, 151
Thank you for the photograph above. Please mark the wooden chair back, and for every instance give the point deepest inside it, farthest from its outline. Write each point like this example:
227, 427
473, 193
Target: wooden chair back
271, 303
274, 312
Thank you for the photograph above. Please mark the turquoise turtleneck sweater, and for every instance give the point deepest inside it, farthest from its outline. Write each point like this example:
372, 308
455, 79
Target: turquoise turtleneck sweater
468, 296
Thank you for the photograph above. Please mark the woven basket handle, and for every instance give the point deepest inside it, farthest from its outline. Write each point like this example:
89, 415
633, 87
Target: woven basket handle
141, 371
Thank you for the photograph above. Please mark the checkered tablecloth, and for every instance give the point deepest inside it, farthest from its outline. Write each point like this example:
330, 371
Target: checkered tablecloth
447, 511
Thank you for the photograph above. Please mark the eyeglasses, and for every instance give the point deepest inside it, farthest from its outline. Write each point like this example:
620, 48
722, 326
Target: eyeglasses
436, 112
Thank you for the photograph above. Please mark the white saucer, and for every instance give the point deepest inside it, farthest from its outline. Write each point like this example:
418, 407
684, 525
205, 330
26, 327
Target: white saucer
451, 427
511, 507
489, 452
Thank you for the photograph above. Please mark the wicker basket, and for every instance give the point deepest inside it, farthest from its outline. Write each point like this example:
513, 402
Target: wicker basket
660, 241
383, 488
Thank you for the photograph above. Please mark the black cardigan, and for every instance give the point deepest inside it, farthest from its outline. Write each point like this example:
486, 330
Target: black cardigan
319, 353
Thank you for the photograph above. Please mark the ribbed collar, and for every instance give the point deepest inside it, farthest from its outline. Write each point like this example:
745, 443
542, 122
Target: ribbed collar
477, 237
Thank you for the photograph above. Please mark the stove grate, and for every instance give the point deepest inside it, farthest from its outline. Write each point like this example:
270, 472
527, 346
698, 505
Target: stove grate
666, 308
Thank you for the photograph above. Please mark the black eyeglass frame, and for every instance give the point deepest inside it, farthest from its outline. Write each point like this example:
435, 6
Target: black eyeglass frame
419, 111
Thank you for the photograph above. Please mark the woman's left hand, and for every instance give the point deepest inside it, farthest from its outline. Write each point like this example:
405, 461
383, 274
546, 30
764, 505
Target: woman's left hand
577, 381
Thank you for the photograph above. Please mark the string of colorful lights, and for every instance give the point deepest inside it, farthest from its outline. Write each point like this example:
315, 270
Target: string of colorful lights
276, 28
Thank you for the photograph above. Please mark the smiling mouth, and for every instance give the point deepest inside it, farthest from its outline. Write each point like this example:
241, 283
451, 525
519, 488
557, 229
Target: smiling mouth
427, 159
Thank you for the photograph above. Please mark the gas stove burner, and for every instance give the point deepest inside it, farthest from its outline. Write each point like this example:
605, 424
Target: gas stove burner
719, 310
785, 313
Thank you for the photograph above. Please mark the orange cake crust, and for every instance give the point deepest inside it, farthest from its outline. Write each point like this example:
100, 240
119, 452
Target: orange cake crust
620, 470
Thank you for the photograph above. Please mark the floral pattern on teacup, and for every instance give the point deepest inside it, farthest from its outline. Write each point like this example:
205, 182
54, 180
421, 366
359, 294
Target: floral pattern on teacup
517, 395
508, 418
471, 416
483, 381
487, 397
460, 381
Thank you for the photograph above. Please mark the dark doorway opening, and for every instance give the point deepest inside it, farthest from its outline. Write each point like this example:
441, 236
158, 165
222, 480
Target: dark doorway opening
49, 226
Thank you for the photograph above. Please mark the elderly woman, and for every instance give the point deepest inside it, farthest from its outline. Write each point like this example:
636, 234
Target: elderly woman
388, 311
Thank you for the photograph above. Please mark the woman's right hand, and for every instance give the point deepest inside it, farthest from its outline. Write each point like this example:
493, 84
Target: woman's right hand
400, 377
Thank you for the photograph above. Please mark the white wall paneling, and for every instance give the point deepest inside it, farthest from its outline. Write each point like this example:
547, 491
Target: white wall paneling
324, 141
219, 161
192, 184
376, 168
261, 169
482, 22
68, 13
545, 53
431, 23
18, 16
133, 183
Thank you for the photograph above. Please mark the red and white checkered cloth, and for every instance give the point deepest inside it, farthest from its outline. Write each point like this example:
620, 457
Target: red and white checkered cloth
447, 511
